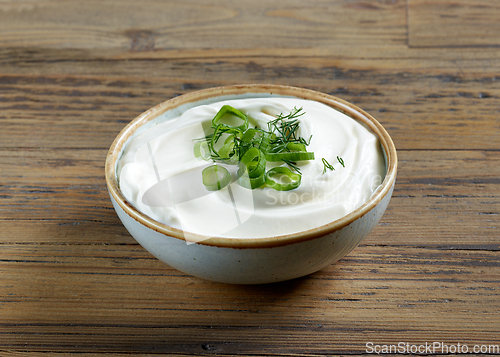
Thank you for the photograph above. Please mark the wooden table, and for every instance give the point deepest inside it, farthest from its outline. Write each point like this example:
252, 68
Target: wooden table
74, 73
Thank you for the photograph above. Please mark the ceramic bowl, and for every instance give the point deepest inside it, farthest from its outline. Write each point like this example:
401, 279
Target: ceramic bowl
252, 260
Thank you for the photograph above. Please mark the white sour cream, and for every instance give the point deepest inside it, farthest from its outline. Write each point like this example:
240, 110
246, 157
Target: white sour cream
159, 174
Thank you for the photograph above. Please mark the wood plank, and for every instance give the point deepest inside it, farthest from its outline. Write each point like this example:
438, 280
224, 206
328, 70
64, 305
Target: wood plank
128, 25
64, 231
449, 61
453, 23
430, 103
13, 353
55, 184
50, 300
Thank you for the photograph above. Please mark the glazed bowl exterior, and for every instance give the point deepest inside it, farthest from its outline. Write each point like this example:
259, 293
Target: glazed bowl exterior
251, 260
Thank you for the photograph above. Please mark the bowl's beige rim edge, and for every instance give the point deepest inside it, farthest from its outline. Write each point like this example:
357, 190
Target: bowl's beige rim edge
266, 242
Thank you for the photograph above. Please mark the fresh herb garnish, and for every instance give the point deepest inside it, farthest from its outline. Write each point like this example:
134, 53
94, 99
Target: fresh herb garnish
285, 129
293, 165
327, 165
280, 143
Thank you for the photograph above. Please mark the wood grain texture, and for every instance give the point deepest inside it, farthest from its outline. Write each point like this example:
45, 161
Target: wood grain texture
468, 102
84, 294
73, 74
197, 24
453, 23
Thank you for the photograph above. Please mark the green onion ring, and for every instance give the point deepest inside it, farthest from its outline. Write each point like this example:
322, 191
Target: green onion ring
229, 109
250, 182
254, 161
225, 150
201, 150
228, 147
265, 141
215, 177
250, 134
215, 137
290, 156
219, 130
295, 179
300, 147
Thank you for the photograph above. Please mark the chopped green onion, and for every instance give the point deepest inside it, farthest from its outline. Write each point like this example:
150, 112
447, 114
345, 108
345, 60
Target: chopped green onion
201, 150
296, 147
265, 141
282, 179
252, 135
254, 162
251, 173
226, 148
251, 148
250, 182
290, 156
215, 177
227, 109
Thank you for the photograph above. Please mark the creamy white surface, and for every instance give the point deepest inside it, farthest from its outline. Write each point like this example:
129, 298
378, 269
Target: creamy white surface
263, 212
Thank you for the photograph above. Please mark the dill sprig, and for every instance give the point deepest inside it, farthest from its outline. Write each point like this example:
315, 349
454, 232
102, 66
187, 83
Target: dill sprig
293, 165
328, 166
285, 129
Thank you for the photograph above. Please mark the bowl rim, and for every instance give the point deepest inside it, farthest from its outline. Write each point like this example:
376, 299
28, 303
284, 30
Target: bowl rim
232, 90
